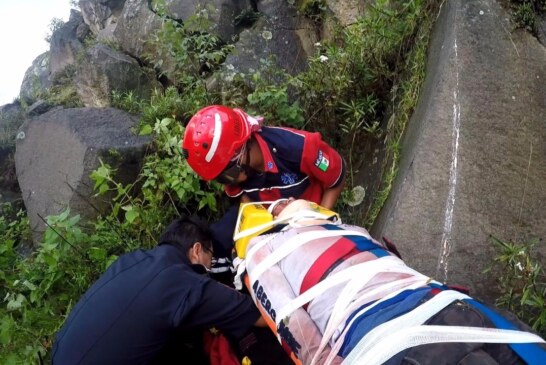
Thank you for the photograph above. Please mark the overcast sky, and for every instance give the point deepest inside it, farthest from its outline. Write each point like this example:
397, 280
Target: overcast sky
23, 26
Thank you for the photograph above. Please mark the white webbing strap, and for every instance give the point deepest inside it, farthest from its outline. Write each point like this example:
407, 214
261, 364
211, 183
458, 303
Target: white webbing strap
380, 351
336, 319
362, 273
256, 229
240, 266
415, 317
307, 215
291, 245
348, 294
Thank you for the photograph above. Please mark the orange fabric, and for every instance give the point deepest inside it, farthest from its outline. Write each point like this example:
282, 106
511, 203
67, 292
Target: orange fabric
219, 349
271, 324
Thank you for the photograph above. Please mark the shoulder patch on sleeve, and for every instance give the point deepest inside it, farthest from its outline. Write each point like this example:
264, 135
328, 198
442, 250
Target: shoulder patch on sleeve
322, 161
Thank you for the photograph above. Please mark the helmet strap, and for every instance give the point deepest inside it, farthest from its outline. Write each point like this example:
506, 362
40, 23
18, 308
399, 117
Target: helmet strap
246, 166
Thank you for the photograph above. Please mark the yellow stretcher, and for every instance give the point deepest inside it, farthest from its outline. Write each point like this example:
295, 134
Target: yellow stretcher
253, 220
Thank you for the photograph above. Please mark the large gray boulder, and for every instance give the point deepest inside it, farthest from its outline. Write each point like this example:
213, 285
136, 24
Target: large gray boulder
37, 79
474, 161
57, 151
541, 31
105, 70
101, 15
223, 14
12, 117
134, 28
66, 46
346, 12
280, 32
67, 43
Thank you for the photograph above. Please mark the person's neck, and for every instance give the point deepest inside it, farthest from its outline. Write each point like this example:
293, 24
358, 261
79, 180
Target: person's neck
256, 156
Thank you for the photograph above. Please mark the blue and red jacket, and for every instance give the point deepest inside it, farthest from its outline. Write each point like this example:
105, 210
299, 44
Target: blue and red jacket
296, 163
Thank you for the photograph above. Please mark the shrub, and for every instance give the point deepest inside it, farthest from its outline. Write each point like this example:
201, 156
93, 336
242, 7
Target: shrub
522, 281
526, 14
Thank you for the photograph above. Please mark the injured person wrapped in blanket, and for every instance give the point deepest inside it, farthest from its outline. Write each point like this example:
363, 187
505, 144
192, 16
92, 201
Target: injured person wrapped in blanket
334, 295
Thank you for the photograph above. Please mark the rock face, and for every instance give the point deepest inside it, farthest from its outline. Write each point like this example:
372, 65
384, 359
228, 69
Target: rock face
542, 30
256, 29
11, 118
57, 151
222, 13
101, 15
104, 70
36, 79
346, 11
134, 27
474, 161
67, 43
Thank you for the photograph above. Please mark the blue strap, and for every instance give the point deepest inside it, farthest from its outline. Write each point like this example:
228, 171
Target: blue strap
531, 353
361, 243
389, 309
365, 244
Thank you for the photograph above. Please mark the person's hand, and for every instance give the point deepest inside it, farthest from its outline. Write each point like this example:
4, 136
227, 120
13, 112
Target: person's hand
260, 322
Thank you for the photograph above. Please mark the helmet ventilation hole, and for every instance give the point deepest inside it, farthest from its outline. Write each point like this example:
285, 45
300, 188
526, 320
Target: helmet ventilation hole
237, 129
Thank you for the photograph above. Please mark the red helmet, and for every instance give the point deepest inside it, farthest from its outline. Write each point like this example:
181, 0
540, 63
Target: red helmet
213, 137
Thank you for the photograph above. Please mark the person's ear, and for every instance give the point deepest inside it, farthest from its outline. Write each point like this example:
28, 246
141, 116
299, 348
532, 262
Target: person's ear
198, 247
193, 253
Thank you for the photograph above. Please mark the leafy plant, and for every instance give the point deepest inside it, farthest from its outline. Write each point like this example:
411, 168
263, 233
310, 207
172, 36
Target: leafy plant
38, 291
191, 48
269, 96
379, 67
379, 63
166, 186
127, 101
63, 92
54, 25
526, 14
522, 282
313, 9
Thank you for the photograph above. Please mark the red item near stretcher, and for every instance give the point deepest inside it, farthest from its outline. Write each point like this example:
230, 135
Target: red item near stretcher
219, 349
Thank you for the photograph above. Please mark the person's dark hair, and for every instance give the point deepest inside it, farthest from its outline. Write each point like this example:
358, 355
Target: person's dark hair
184, 232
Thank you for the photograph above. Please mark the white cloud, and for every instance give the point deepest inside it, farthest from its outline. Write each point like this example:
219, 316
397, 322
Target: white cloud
24, 25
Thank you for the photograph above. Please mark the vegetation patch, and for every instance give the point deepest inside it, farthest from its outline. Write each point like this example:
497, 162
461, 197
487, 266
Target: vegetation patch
379, 62
526, 14
39, 290
522, 281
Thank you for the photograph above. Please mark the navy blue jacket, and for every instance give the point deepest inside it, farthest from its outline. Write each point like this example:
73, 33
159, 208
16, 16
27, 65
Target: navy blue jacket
297, 164
140, 303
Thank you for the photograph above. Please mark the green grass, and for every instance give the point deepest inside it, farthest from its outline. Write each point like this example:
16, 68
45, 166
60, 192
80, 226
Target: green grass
521, 281
380, 62
526, 14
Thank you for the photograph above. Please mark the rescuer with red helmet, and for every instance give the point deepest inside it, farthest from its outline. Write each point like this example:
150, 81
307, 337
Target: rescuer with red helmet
259, 163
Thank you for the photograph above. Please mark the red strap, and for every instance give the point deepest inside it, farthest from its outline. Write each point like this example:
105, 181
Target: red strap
341, 249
